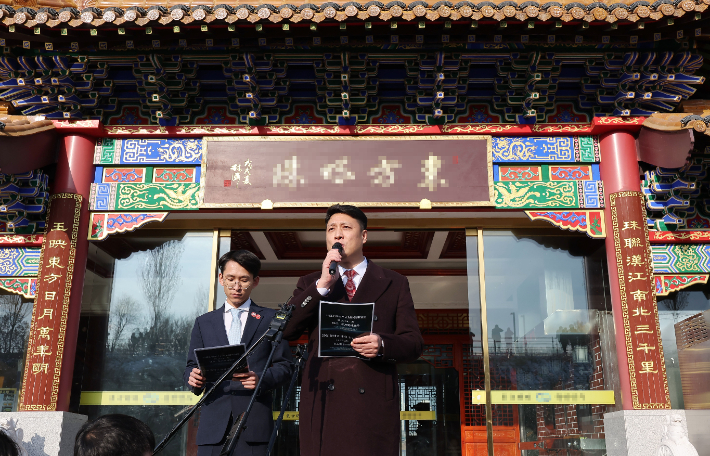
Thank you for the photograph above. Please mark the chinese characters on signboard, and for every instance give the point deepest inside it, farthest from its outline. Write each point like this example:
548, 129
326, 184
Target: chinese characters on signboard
647, 369
46, 341
298, 172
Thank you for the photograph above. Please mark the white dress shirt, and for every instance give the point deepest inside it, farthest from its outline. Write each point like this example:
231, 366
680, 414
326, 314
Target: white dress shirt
360, 269
242, 316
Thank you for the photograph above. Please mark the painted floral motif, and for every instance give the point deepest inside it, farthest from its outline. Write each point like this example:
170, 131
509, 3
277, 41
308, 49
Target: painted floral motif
216, 115
303, 115
129, 116
478, 114
569, 173
565, 114
698, 222
391, 115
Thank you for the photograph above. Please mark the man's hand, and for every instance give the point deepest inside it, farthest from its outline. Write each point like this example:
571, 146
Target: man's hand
326, 280
367, 346
249, 380
196, 379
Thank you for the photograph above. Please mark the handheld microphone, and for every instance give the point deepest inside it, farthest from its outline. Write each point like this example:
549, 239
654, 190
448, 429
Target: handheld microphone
334, 264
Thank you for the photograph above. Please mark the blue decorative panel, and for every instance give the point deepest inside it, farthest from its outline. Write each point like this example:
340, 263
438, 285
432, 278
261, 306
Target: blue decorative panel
102, 197
148, 151
583, 149
19, 262
592, 194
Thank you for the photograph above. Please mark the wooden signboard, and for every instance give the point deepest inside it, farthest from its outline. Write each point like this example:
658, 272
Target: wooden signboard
642, 333
273, 172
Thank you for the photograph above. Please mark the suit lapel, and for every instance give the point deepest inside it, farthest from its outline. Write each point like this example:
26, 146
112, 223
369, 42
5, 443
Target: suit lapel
216, 320
373, 284
254, 320
338, 293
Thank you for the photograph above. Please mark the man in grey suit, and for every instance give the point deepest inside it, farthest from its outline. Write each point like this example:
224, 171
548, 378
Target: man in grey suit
239, 320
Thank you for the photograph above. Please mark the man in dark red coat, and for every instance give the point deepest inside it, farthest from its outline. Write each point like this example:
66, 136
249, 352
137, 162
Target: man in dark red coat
350, 406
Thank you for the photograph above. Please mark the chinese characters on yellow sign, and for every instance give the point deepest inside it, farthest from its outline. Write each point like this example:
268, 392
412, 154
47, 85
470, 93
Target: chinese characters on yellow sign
318, 171
640, 315
46, 341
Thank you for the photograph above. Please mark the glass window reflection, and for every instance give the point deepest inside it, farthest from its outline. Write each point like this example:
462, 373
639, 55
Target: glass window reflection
683, 317
549, 328
141, 297
15, 316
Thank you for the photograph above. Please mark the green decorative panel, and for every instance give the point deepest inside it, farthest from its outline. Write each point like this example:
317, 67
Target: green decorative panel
527, 195
680, 258
152, 196
588, 149
105, 151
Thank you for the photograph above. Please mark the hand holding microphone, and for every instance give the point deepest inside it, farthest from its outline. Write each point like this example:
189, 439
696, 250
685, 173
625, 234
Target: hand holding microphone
329, 271
333, 263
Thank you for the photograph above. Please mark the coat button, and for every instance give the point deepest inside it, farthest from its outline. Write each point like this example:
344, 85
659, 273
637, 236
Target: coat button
362, 390
331, 387
374, 317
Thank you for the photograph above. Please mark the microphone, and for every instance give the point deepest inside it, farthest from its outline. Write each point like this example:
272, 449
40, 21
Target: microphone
334, 264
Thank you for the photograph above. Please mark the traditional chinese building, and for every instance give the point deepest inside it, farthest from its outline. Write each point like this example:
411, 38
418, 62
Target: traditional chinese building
538, 171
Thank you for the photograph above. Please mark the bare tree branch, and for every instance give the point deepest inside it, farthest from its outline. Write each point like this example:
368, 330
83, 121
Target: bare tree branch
159, 277
13, 325
123, 313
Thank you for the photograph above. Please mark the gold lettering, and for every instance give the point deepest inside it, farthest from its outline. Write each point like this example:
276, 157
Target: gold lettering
54, 263
44, 332
58, 226
634, 260
633, 225
39, 367
384, 172
645, 347
43, 350
47, 313
51, 278
431, 167
57, 243
632, 242
647, 368
50, 295
643, 329
640, 311
636, 276
639, 295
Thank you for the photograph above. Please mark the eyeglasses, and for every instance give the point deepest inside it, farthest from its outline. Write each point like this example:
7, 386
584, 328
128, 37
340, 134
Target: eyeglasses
234, 283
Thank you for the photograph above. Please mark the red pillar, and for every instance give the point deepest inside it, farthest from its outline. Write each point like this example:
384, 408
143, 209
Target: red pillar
51, 347
638, 343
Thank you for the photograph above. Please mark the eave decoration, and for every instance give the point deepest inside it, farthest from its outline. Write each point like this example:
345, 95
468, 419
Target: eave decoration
589, 222
105, 223
666, 284
25, 286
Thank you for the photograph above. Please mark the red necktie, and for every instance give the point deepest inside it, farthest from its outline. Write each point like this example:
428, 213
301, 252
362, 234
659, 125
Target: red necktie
350, 284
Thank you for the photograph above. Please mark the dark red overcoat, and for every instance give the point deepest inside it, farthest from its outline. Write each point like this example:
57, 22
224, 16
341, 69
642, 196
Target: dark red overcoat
349, 406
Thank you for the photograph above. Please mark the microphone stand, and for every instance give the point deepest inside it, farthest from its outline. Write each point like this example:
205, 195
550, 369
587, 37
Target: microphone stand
302, 356
275, 335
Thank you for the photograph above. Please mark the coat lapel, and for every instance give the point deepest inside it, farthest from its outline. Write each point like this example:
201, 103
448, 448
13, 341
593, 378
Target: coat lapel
216, 321
253, 324
373, 284
338, 293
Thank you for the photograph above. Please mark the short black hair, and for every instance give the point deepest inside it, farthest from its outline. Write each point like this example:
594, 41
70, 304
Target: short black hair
243, 258
347, 209
8, 447
114, 435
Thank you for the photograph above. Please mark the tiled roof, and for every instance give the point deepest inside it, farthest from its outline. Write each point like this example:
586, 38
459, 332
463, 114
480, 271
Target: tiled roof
419, 10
